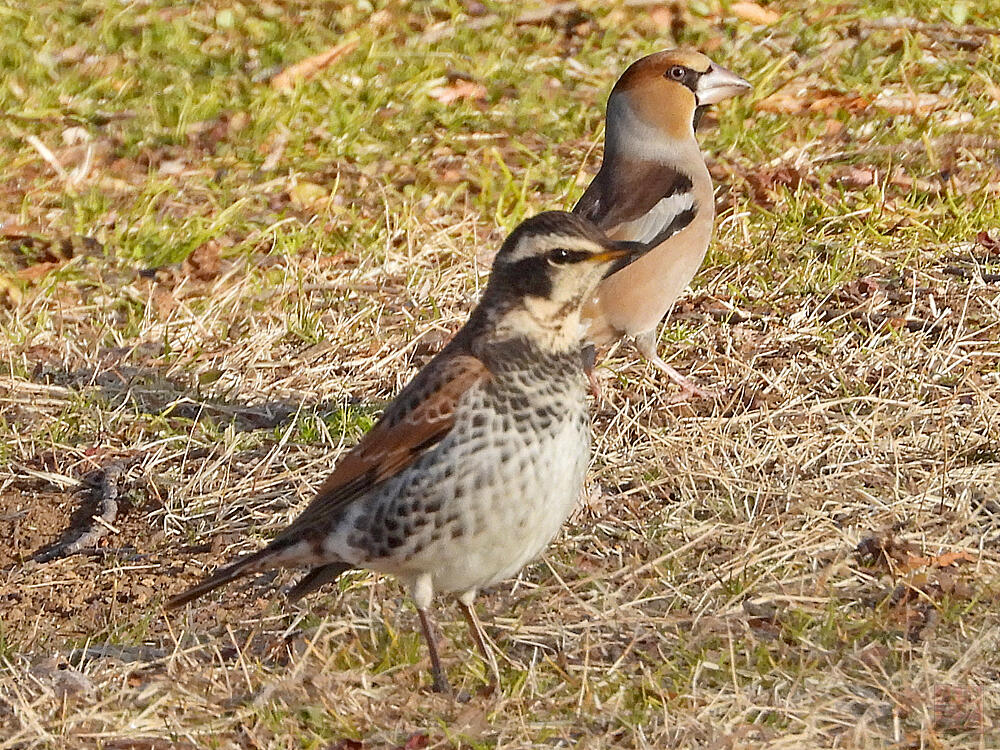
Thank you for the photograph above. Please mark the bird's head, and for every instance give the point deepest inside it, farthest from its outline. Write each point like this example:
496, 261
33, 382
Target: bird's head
544, 272
667, 91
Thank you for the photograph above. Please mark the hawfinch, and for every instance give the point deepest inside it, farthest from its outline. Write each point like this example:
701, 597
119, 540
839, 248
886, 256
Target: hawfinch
653, 188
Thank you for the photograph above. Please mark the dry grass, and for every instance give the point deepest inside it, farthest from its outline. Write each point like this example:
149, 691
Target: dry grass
810, 562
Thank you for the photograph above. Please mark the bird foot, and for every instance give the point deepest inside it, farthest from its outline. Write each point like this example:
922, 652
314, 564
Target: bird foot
689, 391
441, 684
692, 392
595, 386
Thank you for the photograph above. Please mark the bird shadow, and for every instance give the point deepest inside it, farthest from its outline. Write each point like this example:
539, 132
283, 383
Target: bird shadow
150, 390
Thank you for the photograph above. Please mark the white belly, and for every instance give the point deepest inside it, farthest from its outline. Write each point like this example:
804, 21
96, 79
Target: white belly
505, 530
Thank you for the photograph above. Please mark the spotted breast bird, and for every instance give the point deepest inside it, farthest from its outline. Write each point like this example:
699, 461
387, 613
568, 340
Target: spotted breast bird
653, 188
475, 465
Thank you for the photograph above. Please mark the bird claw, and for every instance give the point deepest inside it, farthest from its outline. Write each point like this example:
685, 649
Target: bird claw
595, 386
692, 392
441, 684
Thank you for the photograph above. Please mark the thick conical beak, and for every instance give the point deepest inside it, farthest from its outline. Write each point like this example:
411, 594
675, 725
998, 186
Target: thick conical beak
719, 84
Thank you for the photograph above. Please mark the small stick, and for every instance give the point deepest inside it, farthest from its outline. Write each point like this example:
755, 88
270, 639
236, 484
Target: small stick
102, 521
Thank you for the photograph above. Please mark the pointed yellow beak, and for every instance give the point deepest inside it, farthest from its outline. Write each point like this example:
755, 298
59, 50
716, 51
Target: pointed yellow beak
607, 256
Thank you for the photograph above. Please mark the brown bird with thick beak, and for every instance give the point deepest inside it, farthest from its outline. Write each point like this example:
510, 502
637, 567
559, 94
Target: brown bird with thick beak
475, 465
653, 188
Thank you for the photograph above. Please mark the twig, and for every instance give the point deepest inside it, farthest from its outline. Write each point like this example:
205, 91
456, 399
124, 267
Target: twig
912, 24
106, 491
48, 156
876, 320
989, 278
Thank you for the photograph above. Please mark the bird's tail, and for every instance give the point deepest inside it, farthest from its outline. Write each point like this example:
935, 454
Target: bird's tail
316, 578
242, 566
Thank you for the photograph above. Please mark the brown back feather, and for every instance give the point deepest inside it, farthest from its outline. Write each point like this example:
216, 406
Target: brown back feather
420, 417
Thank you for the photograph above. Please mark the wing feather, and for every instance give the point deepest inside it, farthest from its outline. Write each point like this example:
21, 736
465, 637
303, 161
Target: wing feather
612, 202
418, 419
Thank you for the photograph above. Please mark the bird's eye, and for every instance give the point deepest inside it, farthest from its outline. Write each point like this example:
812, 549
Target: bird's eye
560, 255
676, 72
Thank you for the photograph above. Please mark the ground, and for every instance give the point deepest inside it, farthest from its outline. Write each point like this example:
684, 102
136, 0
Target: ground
222, 255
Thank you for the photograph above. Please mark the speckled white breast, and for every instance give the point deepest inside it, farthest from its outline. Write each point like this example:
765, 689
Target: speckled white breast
488, 498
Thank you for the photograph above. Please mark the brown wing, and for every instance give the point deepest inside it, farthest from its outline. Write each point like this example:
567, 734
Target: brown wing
417, 419
628, 193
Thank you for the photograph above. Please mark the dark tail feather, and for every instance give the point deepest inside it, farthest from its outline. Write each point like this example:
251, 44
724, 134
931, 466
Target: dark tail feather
242, 566
316, 578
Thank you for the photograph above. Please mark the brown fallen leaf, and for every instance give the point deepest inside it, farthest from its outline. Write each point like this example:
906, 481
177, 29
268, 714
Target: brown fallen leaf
827, 101
204, 262
781, 103
37, 270
662, 17
345, 744
940, 561
416, 741
987, 242
901, 179
911, 104
10, 292
957, 708
308, 195
460, 89
856, 177
306, 69
754, 13
546, 13
830, 102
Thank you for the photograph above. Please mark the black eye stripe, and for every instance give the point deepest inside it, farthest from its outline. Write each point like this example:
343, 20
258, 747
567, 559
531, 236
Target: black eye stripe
563, 256
684, 76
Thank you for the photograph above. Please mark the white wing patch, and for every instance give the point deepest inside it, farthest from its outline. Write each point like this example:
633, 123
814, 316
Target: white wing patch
646, 227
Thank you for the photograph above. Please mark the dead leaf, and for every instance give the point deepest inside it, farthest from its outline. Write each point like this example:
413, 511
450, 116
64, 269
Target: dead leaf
827, 101
766, 181
416, 741
203, 263
545, 14
782, 103
988, 243
37, 271
346, 744
885, 547
940, 561
901, 179
831, 102
957, 708
662, 17
306, 69
754, 13
10, 292
857, 177
275, 149
953, 585
911, 104
460, 89
308, 195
